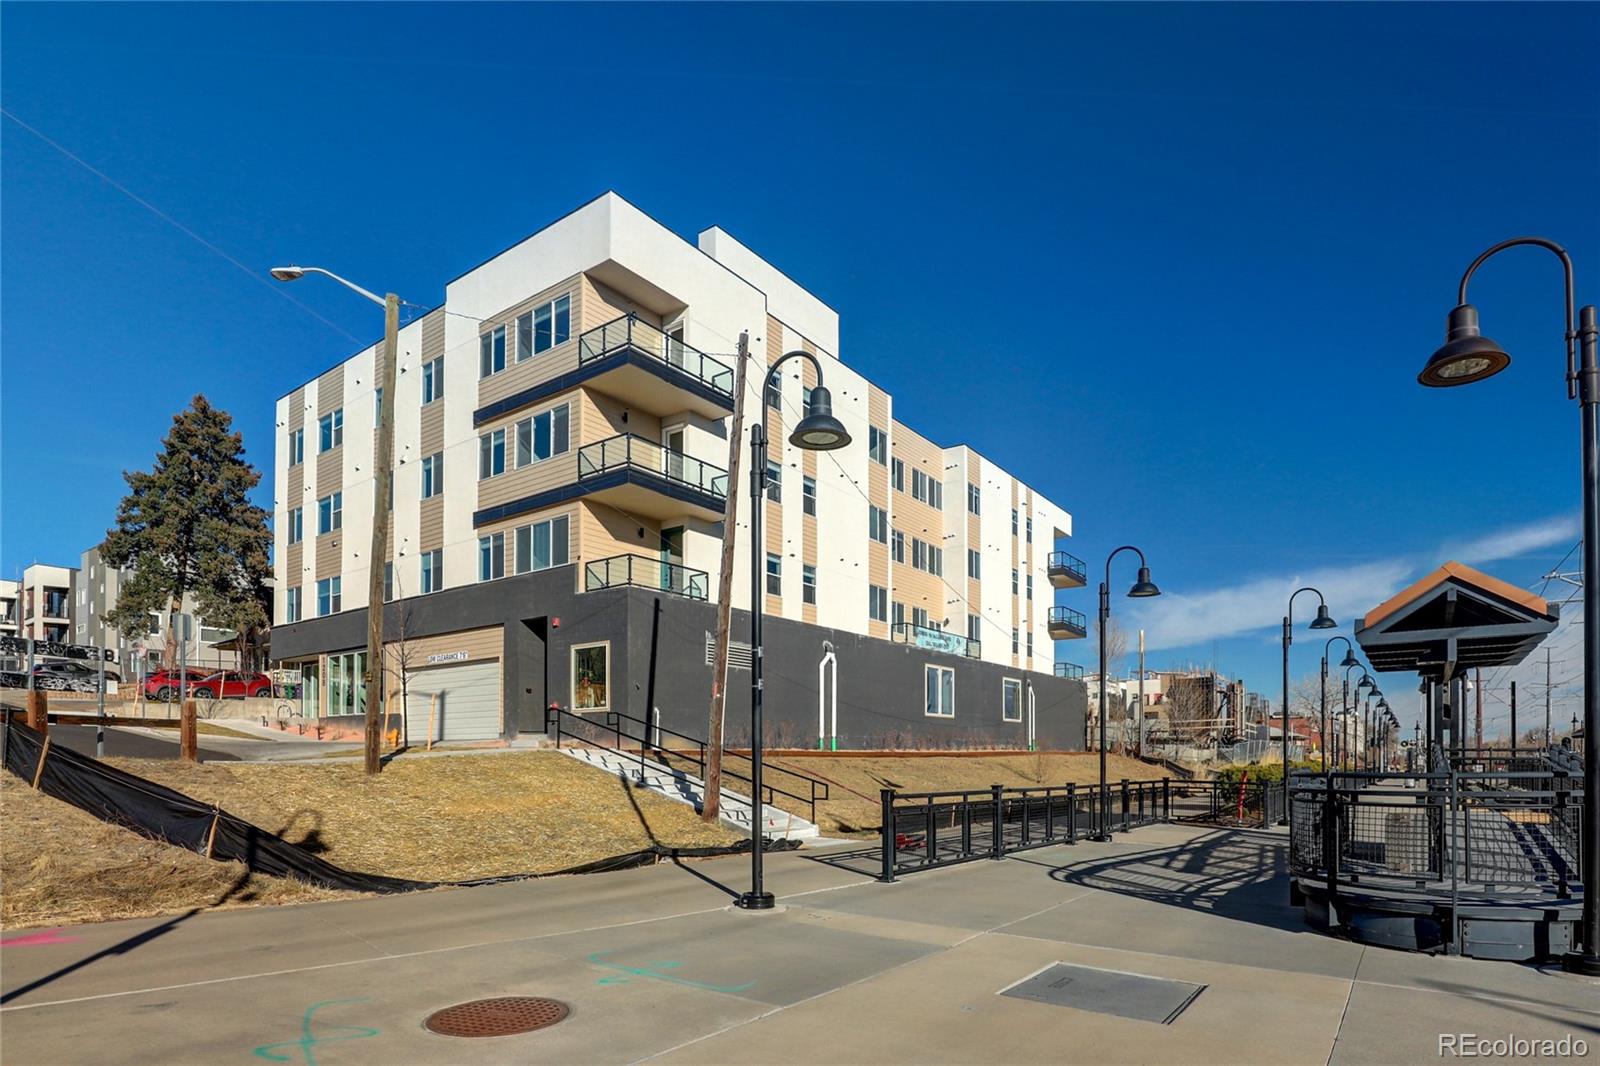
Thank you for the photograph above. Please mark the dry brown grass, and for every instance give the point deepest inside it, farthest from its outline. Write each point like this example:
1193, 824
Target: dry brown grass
855, 782
450, 818
60, 865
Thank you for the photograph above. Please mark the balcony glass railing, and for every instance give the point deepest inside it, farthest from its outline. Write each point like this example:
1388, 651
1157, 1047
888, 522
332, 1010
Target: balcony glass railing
1067, 563
627, 450
1069, 670
935, 639
642, 571
629, 332
1068, 619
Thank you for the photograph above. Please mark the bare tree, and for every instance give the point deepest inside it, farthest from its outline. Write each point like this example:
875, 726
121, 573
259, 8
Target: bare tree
1305, 701
403, 657
1116, 645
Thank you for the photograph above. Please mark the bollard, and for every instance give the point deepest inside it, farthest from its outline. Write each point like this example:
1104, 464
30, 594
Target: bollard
1072, 814
997, 848
188, 734
1124, 804
1166, 799
886, 797
38, 711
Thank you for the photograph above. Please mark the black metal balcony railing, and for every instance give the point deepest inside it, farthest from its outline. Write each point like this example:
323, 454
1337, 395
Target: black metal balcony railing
1069, 670
936, 639
629, 332
628, 450
1064, 566
642, 571
1065, 619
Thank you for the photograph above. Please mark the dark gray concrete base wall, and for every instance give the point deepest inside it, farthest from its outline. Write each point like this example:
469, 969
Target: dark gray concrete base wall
658, 659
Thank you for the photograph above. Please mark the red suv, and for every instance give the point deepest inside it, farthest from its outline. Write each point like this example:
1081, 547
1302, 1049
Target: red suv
164, 684
232, 684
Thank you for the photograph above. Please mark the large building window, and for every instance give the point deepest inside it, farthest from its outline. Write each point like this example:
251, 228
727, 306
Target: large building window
297, 524
940, 685
808, 584
328, 596
330, 430
492, 454
928, 489
432, 570
877, 524
297, 447
897, 475
491, 556
774, 575
899, 613
877, 445
347, 689
544, 327
433, 380
590, 677
974, 627
388, 582
291, 604
877, 603
543, 435
433, 475
974, 499
1011, 699
808, 495
897, 546
492, 352
774, 482
330, 512
541, 545
974, 564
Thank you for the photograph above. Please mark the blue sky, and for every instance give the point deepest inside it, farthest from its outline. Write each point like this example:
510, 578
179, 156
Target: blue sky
1175, 266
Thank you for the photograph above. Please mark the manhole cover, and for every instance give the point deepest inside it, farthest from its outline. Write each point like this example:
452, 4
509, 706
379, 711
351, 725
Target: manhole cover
497, 1017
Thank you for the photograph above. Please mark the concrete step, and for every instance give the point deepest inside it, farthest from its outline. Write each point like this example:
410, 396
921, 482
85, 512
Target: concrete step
686, 788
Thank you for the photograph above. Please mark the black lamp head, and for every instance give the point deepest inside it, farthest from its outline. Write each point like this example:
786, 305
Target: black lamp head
1467, 355
1365, 682
1144, 586
1349, 659
819, 431
1377, 694
1323, 620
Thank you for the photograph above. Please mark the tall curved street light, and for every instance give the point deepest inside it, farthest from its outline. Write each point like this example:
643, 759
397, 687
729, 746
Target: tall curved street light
1349, 661
383, 474
1322, 621
817, 431
1468, 356
1141, 588
1373, 693
1348, 709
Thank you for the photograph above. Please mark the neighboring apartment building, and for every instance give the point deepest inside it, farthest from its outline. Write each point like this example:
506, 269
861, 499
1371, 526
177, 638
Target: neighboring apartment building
96, 590
10, 608
560, 453
47, 602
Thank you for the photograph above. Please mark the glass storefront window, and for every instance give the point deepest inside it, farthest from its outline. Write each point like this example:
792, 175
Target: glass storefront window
590, 675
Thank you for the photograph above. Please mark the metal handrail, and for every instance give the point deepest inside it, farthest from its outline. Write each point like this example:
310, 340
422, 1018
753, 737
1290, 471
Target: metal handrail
1066, 616
906, 633
1069, 670
1068, 562
695, 753
641, 453
641, 571
629, 332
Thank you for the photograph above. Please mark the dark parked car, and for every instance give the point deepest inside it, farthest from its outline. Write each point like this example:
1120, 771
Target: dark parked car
233, 685
164, 684
69, 676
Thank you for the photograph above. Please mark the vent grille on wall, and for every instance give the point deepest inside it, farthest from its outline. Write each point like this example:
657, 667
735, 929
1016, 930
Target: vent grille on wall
738, 653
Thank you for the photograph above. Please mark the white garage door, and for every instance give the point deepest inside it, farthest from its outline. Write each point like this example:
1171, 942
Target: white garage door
465, 701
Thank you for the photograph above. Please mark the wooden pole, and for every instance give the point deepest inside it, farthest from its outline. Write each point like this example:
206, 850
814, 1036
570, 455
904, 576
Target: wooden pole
382, 475
38, 771
188, 734
38, 711
211, 836
711, 806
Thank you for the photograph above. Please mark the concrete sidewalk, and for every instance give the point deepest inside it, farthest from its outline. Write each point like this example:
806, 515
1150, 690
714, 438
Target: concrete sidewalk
654, 963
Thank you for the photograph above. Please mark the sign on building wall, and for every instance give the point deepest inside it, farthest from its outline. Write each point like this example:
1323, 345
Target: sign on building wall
448, 657
937, 640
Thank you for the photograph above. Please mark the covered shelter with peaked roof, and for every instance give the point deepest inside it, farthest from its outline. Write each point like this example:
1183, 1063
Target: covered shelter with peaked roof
1451, 621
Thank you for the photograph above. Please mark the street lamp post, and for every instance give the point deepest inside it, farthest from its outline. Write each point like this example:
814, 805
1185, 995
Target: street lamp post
817, 431
382, 474
1344, 702
1141, 588
1349, 661
1322, 621
1468, 356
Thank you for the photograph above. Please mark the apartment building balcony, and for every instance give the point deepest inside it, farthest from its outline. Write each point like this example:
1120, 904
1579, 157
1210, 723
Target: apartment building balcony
1069, 670
1066, 571
935, 639
642, 571
637, 363
645, 478
1064, 623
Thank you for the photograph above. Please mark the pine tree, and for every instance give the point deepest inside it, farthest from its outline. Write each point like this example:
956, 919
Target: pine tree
187, 527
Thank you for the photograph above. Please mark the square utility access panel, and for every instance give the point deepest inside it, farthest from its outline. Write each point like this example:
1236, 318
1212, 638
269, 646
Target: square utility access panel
1127, 995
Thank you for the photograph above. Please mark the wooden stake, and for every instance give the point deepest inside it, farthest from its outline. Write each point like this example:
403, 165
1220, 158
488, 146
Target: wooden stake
188, 734
211, 837
711, 805
433, 702
38, 771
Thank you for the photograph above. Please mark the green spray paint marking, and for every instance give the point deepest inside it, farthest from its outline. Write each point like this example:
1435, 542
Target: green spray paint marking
308, 1041
653, 971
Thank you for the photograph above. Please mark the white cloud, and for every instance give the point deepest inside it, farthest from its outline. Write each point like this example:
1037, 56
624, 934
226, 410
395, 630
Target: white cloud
1185, 619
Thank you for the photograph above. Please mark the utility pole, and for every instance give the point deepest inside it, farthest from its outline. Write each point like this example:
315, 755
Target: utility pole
380, 534
711, 806
1477, 723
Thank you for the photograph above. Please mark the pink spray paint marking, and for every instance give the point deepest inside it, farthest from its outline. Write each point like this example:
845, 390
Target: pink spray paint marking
47, 936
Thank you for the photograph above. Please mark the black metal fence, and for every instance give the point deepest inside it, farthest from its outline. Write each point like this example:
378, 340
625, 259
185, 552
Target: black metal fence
1508, 825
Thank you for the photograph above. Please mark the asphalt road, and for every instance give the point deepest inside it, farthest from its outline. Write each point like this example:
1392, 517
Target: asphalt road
136, 744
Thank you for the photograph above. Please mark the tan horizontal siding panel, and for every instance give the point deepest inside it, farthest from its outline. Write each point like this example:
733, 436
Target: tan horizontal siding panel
294, 562
605, 531
600, 303
514, 484
601, 416
430, 525
328, 555
330, 471
297, 408
433, 334
481, 645
432, 430
330, 390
